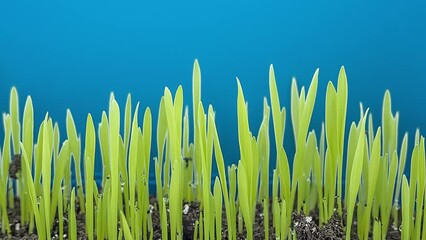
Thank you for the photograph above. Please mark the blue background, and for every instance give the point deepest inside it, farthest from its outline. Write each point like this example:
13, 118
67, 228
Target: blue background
72, 55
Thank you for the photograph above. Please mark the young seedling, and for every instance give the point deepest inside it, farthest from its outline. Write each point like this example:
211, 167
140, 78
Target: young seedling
174, 122
301, 113
355, 176
72, 226
405, 209
114, 128
364, 226
75, 148
335, 119
89, 165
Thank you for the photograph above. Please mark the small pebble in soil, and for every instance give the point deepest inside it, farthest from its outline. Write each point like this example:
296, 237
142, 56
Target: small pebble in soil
185, 209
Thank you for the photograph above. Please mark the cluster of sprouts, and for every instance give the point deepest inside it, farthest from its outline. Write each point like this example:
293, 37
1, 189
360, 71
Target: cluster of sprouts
368, 179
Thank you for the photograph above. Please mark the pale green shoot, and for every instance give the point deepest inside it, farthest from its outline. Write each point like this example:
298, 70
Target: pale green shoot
75, 149
133, 166
278, 115
335, 118
27, 140
6, 156
243, 196
56, 139
372, 180
206, 156
98, 219
284, 173
390, 126
60, 215
266, 218
317, 167
218, 208
59, 168
201, 227
221, 170
16, 138
14, 118
188, 150
41, 230
164, 222
147, 139
355, 176
401, 170
125, 227
310, 152
247, 181
196, 101
264, 147
127, 122
354, 133
275, 205
123, 182
89, 165
161, 141
174, 124
386, 205
420, 187
114, 140
142, 179
406, 213
301, 113
46, 169
103, 136
284, 220
232, 179
413, 183
377, 232
72, 228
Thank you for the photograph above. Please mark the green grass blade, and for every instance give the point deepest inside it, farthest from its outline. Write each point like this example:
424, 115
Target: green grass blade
60, 164
28, 141
278, 115
373, 172
75, 148
133, 166
147, 138
401, 170
114, 129
220, 163
60, 215
46, 169
243, 199
127, 122
405, 209
103, 136
125, 227
89, 160
14, 118
72, 228
264, 148
355, 175
218, 208
41, 230
161, 141
342, 99
377, 233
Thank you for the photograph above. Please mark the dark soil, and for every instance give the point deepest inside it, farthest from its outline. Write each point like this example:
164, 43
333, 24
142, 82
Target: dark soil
21, 232
15, 166
305, 227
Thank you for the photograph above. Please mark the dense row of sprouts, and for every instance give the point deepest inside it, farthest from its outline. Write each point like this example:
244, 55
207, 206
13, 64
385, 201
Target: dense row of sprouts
332, 172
